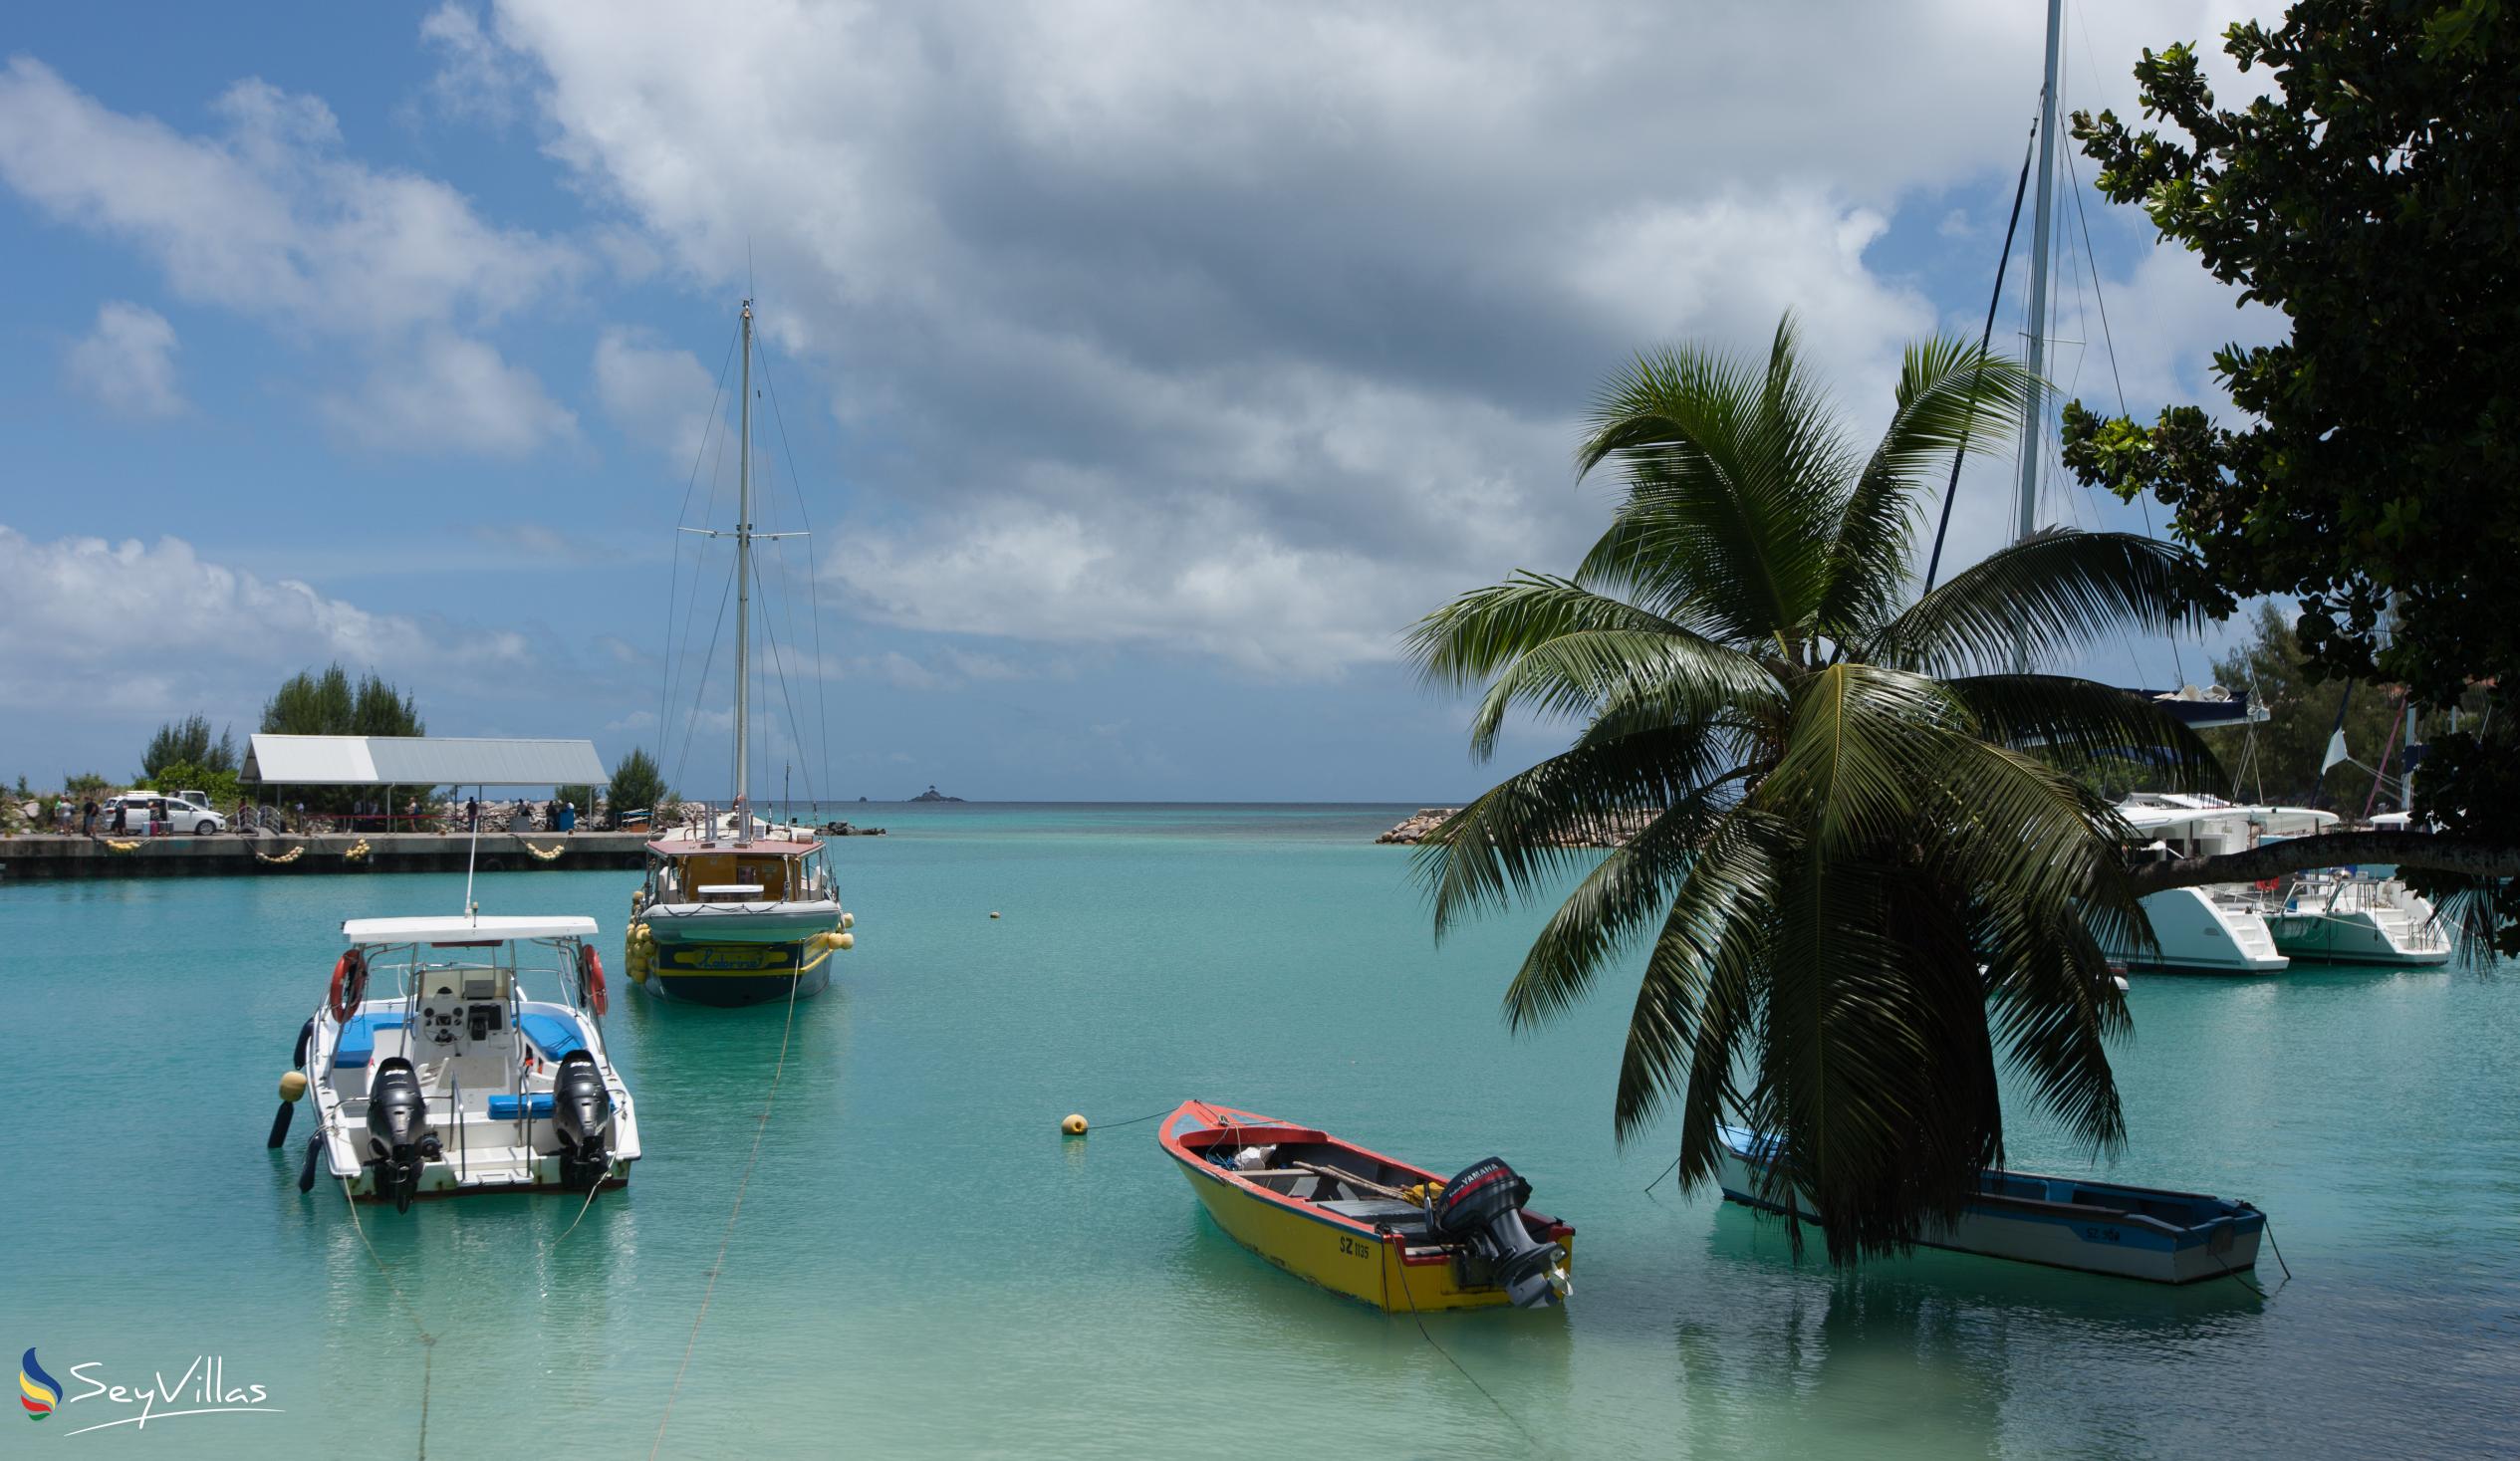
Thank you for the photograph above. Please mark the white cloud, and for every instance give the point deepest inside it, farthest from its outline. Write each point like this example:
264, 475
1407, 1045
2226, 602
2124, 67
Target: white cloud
656, 396
267, 217
1260, 330
477, 79
445, 392
127, 364
147, 628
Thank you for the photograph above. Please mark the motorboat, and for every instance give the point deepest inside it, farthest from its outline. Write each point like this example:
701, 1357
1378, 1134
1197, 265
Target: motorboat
434, 1074
1369, 1226
2111, 1228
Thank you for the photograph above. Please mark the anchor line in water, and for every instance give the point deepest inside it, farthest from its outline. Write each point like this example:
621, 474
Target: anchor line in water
1421, 1320
411, 1311
769, 1099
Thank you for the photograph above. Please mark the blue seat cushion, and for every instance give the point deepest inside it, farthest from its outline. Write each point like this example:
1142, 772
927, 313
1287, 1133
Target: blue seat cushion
359, 1038
503, 1108
552, 1034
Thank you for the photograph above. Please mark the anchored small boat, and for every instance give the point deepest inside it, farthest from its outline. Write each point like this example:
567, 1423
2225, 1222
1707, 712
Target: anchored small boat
457, 1082
2061, 1222
2339, 916
1366, 1225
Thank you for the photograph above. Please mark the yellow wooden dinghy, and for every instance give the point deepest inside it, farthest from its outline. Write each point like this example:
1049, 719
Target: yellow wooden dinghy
1361, 1224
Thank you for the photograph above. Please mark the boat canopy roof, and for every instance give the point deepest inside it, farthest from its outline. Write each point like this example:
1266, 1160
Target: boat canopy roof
460, 929
773, 846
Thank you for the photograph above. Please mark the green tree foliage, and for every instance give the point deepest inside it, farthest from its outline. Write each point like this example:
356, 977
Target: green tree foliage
1853, 895
2278, 759
187, 742
184, 776
2375, 199
329, 704
637, 783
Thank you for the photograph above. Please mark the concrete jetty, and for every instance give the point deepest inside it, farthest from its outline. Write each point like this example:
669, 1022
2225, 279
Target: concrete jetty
26, 858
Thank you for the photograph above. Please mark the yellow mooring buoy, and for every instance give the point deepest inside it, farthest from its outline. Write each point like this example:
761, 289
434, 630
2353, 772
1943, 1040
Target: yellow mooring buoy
292, 1084
1074, 1125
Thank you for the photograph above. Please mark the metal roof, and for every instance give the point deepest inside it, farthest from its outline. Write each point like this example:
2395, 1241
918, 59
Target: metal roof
421, 761
459, 929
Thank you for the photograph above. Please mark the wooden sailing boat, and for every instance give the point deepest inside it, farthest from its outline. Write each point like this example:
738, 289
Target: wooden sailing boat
743, 912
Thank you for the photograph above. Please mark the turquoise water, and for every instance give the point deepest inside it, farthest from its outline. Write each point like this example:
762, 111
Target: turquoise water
922, 1266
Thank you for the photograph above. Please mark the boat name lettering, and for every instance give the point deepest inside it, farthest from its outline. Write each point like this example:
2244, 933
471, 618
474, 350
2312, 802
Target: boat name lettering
2101, 1235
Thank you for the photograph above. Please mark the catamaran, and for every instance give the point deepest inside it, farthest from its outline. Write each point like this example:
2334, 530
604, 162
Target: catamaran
735, 912
457, 1082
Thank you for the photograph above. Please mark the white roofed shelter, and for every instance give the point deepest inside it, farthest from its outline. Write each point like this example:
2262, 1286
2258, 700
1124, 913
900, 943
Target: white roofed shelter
420, 760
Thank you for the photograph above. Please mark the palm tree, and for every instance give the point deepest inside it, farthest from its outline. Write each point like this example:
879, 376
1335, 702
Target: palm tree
1858, 874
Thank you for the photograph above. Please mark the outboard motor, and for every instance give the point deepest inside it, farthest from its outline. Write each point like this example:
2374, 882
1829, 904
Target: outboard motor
397, 1121
1482, 1207
581, 1118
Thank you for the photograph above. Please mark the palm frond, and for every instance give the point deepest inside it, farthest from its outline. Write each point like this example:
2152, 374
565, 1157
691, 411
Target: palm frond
2040, 599
1484, 631
1689, 678
2085, 721
1950, 394
1731, 476
1525, 831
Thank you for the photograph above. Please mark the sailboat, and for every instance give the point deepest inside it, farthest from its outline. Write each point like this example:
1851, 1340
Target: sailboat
734, 910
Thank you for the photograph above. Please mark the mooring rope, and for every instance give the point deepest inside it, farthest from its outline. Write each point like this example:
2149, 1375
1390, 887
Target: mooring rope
769, 1099
411, 1311
1421, 1320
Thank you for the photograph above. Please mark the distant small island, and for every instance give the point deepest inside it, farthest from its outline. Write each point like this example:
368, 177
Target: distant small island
934, 795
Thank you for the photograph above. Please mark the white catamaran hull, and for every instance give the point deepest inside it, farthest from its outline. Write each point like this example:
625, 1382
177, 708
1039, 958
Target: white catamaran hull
2198, 933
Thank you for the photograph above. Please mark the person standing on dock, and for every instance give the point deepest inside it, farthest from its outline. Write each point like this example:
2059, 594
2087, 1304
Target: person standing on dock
472, 815
87, 817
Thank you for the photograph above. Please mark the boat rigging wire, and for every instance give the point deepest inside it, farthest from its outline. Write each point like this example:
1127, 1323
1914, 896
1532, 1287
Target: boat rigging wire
2109, 343
769, 1099
813, 576
1951, 489
673, 589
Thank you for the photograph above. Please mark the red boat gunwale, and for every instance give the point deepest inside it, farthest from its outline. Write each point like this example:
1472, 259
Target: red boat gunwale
1224, 1125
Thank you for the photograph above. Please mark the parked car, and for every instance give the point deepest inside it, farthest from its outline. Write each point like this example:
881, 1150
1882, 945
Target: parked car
180, 815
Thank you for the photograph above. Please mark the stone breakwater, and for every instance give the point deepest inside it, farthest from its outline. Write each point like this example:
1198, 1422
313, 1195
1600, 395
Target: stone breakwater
1613, 831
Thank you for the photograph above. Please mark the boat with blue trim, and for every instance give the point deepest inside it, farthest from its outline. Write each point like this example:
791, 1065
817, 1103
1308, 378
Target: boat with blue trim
457, 1082
2061, 1222
1366, 1225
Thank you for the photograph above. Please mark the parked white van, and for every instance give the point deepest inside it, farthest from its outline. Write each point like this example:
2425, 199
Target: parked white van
181, 817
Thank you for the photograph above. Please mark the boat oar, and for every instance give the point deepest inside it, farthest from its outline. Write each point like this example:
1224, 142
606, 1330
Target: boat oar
292, 1087
1353, 1180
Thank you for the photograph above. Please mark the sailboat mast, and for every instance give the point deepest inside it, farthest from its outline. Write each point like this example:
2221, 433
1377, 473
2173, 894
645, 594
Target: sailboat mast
2034, 410
743, 587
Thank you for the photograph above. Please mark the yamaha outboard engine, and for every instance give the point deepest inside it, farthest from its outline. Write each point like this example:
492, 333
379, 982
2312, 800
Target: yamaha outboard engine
397, 1121
581, 1118
1482, 1207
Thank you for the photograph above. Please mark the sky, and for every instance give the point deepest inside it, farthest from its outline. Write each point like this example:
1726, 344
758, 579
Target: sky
1141, 370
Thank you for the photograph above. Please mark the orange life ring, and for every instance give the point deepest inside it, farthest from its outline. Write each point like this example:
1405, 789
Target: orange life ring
349, 983
591, 977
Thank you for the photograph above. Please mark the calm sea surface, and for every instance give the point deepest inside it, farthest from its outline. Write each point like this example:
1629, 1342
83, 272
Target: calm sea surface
924, 1268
